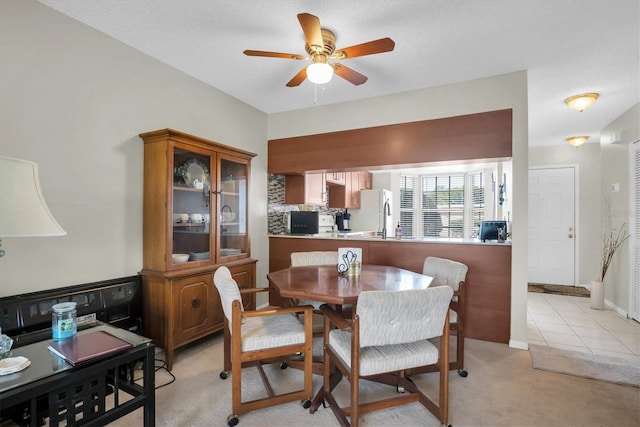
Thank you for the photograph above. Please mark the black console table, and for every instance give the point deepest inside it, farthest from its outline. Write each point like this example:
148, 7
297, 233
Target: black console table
96, 392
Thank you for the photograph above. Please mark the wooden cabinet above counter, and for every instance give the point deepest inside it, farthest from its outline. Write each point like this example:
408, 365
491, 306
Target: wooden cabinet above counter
311, 188
348, 195
335, 178
307, 189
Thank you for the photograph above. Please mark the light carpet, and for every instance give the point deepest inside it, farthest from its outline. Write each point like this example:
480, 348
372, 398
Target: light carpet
502, 389
588, 365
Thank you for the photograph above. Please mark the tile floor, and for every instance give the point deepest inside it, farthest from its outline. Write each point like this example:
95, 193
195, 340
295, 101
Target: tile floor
570, 323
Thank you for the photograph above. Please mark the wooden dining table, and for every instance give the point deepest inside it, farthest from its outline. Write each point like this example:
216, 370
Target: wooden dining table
323, 283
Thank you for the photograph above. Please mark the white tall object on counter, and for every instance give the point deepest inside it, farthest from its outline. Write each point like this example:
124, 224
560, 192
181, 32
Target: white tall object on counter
376, 212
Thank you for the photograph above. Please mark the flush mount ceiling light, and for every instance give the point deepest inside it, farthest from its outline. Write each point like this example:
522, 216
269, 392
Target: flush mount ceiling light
577, 141
581, 102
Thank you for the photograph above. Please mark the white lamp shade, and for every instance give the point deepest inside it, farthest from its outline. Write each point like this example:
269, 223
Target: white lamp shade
23, 210
319, 73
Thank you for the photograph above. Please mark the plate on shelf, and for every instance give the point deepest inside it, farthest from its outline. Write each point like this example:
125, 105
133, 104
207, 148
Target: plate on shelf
197, 256
192, 171
230, 251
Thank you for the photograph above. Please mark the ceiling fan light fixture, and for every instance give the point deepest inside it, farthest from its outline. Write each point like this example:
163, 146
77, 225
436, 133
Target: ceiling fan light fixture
577, 141
581, 102
319, 73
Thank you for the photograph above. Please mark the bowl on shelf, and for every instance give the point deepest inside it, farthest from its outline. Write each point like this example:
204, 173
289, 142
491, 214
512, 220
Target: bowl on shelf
179, 258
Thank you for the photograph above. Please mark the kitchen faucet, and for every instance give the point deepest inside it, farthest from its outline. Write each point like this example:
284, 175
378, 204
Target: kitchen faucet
386, 211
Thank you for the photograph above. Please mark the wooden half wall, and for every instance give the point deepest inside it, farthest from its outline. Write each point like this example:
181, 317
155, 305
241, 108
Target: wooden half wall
488, 280
473, 137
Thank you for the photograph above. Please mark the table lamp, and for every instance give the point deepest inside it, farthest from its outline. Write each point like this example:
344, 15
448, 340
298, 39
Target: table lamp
23, 210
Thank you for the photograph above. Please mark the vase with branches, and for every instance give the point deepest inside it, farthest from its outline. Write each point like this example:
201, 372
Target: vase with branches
612, 238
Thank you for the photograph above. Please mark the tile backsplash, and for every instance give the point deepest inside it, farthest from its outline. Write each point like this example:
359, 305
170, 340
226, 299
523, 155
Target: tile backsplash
276, 206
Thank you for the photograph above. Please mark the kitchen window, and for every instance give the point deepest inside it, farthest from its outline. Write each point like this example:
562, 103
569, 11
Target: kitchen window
443, 205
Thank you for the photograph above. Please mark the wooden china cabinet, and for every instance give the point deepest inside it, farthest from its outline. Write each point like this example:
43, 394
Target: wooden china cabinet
196, 208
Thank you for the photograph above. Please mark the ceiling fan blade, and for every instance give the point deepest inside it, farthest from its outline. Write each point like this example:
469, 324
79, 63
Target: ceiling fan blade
312, 32
368, 48
349, 75
273, 54
298, 78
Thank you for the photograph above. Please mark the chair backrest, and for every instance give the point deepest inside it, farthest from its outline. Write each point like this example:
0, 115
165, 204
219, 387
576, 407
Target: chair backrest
228, 291
398, 317
445, 271
299, 259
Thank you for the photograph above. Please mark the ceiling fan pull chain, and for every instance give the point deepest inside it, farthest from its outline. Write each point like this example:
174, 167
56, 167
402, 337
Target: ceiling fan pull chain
315, 93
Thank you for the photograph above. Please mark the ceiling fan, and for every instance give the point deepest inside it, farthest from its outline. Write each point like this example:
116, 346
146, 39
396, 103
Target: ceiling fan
321, 46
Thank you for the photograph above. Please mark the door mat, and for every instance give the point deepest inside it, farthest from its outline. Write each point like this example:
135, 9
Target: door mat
573, 291
595, 366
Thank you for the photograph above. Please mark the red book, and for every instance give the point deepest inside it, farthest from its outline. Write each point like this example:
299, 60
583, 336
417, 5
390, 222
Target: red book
85, 347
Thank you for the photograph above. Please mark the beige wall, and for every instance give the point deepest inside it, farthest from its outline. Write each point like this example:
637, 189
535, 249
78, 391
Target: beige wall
495, 93
615, 161
600, 166
74, 101
587, 160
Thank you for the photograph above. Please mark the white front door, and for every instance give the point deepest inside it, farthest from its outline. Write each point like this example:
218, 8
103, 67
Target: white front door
552, 226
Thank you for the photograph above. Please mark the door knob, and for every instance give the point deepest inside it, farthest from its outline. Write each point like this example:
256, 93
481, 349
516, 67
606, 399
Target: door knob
570, 236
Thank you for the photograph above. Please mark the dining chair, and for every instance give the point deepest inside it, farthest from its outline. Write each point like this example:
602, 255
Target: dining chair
388, 335
453, 274
301, 259
258, 337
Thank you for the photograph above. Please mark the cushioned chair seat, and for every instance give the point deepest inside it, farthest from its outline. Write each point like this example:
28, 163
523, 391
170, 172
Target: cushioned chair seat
387, 337
271, 331
384, 358
257, 337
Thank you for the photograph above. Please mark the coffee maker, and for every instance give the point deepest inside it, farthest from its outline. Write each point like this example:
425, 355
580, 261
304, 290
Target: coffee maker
342, 221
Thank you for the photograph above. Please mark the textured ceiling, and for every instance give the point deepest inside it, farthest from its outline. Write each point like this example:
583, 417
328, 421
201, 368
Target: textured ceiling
567, 47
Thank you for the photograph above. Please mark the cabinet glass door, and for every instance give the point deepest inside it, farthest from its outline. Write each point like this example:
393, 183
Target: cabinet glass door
232, 203
191, 200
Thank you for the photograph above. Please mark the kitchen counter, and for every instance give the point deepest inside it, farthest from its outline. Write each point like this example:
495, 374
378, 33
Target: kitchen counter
370, 236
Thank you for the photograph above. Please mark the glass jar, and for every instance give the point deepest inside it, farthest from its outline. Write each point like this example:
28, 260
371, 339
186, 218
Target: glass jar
64, 320
354, 269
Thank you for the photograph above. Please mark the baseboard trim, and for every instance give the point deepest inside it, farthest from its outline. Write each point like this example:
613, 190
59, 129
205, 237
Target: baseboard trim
520, 345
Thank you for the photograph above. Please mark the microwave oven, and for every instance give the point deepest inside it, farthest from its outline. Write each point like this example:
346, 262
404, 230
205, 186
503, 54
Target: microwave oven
302, 222
493, 230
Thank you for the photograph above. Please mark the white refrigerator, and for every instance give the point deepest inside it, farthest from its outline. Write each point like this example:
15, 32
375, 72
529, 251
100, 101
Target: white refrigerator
375, 212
